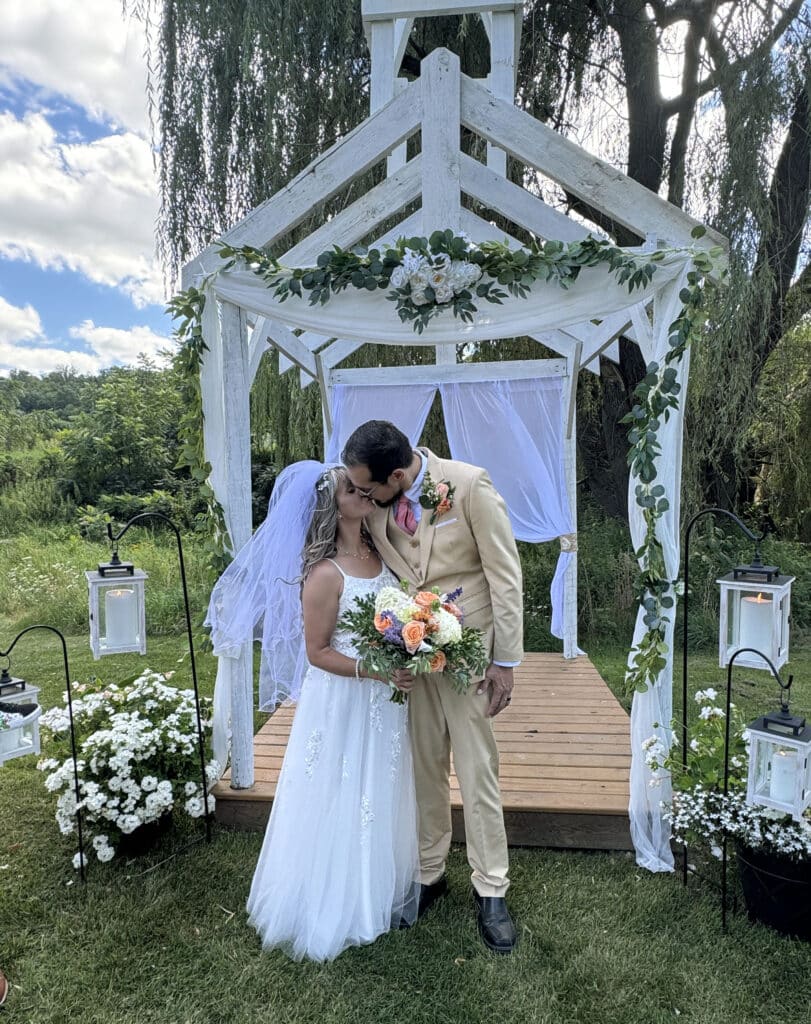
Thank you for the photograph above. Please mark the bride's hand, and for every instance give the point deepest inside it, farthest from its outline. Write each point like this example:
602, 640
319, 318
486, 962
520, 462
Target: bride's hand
403, 679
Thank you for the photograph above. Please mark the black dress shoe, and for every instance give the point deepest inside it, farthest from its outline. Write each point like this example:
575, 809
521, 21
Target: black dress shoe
495, 924
429, 894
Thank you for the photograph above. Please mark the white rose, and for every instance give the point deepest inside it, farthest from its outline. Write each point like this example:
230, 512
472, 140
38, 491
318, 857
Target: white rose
190, 788
78, 860
418, 297
443, 293
148, 783
105, 853
399, 277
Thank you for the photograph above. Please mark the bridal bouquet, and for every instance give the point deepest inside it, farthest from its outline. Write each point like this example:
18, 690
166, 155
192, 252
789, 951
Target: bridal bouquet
424, 633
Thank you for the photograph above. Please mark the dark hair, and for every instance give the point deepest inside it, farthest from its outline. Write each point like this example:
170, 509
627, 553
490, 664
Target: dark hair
380, 446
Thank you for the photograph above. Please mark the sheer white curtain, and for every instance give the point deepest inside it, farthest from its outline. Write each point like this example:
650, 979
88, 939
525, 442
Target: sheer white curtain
651, 712
515, 430
406, 405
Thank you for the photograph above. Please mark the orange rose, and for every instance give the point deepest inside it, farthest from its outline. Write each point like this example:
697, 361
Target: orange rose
413, 635
425, 599
443, 507
454, 610
382, 623
438, 662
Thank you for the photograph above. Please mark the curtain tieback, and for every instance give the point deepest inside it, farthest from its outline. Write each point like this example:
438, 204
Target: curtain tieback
568, 541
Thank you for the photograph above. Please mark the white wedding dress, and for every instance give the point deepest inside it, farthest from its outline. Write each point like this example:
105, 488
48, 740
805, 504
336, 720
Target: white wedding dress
339, 863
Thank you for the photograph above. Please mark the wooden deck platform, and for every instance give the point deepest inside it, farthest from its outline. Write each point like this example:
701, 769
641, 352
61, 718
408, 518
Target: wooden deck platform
565, 759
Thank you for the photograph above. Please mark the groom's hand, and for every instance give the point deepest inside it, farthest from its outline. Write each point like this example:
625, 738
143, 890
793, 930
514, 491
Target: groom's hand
403, 679
498, 681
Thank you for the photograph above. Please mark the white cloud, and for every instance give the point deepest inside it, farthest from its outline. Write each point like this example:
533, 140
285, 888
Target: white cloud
113, 345
90, 207
18, 323
24, 346
87, 51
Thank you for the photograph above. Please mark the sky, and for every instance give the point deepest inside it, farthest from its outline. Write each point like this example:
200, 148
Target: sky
80, 284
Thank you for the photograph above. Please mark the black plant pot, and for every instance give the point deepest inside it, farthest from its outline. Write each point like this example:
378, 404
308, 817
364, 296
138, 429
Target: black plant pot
776, 891
144, 838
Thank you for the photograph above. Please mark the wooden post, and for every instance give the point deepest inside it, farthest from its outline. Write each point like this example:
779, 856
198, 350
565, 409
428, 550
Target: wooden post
235, 497
570, 577
441, 132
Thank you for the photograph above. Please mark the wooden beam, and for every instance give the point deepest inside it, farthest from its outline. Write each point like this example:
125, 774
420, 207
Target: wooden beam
236, 501
363, 216
379, 10
502, 77
295, 349
573, 369
595, 181
338, 351
516, 203
441, 136
349, 158
523, 369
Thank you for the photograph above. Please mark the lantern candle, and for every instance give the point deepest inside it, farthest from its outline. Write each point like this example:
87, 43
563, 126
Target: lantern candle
756, 623
121, 618
784, 775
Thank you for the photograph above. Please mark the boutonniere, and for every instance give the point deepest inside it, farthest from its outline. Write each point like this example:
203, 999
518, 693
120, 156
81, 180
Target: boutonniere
436, 497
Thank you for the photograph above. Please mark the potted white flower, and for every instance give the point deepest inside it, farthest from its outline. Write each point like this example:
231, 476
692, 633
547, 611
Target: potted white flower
138, 761
773, 850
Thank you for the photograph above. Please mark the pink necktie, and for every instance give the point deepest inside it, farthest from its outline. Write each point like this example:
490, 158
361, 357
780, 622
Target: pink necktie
404, 516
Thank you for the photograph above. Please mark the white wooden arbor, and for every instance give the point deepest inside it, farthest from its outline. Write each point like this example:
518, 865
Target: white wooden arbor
435, 106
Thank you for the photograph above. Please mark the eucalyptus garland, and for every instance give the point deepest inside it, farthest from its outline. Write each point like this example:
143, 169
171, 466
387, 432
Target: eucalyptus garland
447, 272
427, 276
656, 396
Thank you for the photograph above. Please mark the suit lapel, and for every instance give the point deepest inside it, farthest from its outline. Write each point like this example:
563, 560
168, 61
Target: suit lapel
426, 531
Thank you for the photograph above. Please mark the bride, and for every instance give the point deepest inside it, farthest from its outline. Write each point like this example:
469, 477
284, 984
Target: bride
339, 863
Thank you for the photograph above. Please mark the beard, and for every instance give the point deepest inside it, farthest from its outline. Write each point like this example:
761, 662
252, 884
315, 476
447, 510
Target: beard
390, 501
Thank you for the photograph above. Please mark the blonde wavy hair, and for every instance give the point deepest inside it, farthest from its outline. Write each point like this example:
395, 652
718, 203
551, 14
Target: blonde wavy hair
320, 542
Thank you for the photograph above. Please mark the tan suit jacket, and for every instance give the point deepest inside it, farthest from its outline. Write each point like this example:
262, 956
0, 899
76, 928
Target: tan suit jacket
470, 546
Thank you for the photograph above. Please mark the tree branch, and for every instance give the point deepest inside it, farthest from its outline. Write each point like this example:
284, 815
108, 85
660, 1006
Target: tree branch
674, 106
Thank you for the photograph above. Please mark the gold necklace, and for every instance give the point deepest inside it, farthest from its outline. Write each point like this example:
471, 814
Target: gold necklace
356, 554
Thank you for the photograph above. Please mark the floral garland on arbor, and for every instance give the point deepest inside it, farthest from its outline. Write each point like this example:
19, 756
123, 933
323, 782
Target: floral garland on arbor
448, 273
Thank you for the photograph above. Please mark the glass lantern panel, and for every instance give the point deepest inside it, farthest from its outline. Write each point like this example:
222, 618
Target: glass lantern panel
760, 766
118, 616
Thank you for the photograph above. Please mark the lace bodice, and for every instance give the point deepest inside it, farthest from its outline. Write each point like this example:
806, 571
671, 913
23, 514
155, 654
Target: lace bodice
355, 587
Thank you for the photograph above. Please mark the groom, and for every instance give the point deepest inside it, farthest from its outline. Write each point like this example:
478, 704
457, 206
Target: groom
440, 523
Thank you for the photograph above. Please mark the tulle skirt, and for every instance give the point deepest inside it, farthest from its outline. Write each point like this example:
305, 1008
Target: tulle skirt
339, 863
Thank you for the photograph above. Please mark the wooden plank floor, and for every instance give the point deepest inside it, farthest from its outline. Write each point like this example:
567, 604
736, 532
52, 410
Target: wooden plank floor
565, 759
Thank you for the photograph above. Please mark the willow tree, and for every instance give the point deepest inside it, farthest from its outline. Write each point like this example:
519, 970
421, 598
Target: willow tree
245, 92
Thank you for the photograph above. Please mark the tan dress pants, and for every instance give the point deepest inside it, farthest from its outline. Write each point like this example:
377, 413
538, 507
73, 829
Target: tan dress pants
442, 720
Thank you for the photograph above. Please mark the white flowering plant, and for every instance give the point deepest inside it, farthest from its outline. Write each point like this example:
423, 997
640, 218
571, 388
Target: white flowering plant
699, 813
138, 757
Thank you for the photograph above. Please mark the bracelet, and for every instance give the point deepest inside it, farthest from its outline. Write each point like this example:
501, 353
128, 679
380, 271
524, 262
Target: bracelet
357, 668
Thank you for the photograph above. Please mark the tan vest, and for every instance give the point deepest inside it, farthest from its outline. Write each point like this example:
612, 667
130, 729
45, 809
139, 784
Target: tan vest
470, 546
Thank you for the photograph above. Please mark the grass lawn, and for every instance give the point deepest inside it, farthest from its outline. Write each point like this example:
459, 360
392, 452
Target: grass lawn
164, 938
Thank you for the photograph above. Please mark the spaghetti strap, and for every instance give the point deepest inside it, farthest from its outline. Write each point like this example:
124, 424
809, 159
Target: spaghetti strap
340, 570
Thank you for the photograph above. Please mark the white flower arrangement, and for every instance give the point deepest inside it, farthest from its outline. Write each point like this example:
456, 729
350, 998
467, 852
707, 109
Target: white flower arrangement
699, 813
138, 758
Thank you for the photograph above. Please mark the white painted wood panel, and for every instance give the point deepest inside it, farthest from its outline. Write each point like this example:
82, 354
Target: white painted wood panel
349, 158
600, 184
